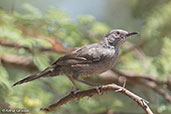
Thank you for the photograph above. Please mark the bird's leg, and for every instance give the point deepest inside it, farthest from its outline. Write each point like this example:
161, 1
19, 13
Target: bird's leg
77, 89
97, 87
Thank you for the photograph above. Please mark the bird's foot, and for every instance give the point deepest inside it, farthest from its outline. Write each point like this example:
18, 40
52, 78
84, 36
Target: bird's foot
98, 89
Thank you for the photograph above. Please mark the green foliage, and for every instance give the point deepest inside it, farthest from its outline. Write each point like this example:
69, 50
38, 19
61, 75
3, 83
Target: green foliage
33, 29
4, 83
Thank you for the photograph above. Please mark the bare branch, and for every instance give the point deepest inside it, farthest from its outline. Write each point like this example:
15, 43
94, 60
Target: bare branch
110, 87
145, 77
153, 86
18, 61
149, 82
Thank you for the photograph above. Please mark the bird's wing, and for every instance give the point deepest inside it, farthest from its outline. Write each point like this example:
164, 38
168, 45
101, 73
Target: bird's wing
83, 55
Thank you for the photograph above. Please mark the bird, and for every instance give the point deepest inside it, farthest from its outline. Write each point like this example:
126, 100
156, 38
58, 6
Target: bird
86, 61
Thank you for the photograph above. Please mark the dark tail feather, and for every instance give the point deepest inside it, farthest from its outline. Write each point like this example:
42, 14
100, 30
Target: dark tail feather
34, 76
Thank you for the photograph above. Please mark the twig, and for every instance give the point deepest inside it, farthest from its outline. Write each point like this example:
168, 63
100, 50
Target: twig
18, 61
158, 90
145, 77
149, 82
17, 45
10, 44
110, 87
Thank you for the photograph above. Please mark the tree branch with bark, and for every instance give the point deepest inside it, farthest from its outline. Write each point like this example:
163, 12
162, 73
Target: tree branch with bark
91, 92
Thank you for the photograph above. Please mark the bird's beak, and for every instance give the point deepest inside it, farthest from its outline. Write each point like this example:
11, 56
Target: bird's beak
131, 33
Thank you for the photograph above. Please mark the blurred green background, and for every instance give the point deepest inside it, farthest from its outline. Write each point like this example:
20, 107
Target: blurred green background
33, 34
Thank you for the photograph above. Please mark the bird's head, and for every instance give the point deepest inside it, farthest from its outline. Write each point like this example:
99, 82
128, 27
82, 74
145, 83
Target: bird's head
117, 36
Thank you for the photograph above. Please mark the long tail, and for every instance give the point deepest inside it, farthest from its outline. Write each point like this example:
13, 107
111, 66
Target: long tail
43, 73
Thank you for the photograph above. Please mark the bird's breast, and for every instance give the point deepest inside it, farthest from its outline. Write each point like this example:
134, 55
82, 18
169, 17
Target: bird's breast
101, 66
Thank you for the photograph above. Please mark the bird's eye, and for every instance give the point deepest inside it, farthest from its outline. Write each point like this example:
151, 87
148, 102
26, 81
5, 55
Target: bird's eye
117, 32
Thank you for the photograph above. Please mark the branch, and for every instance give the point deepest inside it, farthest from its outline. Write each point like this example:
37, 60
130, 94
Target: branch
18, 61
110, 87
154, 87
16, 45
56, 46
145, 77
149, 82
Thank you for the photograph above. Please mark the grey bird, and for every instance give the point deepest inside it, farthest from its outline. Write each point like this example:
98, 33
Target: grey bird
87, 60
